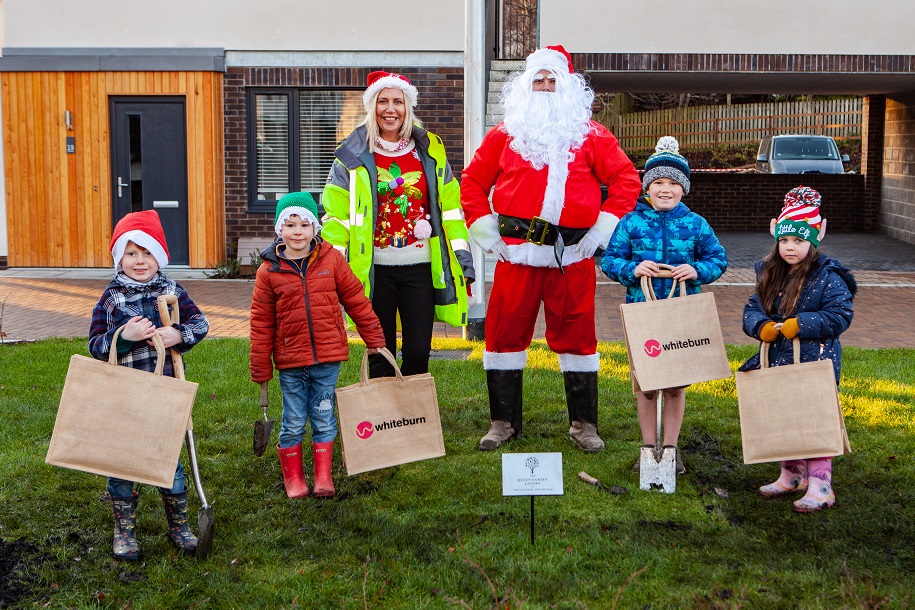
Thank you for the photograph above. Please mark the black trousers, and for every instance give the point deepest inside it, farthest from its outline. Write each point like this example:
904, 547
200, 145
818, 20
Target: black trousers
406, 289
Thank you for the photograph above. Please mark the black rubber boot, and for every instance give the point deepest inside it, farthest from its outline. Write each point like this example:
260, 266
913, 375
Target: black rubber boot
505, 396
178, 529
504, 408
581, 400
125, 523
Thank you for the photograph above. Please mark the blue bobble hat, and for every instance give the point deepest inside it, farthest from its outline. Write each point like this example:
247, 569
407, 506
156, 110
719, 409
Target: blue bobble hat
666, 162
300, 204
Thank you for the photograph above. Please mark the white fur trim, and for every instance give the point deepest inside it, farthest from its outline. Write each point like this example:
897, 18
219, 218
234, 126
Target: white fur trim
389, 82
504, 361
533, 255
547, 59
603, 228
142, 239
555, 195
576, 363
301, 212
485, 231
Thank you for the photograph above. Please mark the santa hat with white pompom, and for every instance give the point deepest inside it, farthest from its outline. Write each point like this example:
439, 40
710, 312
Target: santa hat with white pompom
666, 162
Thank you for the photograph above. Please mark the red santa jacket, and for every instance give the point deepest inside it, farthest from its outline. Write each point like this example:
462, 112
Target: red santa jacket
297, 320
519, 188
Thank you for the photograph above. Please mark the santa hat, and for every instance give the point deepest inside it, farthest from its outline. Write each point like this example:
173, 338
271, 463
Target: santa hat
143, 229
800, 217
376, 81
299, 204
667, 162
554, 58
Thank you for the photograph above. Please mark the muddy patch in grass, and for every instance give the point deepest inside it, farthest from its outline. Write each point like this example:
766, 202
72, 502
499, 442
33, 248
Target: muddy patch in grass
18, 559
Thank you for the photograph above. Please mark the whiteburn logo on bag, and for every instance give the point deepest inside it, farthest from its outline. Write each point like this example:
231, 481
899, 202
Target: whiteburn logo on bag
366, 429
653, 348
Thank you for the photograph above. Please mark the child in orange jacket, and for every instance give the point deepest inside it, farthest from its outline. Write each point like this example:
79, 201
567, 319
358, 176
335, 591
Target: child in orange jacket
296, 322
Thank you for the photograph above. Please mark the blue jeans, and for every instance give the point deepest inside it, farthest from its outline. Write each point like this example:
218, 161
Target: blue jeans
119, 488
308, 395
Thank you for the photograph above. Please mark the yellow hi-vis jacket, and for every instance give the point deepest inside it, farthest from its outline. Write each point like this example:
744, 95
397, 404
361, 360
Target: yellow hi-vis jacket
350, 201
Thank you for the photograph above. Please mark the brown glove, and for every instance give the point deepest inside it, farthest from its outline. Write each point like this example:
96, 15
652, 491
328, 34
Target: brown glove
768, 332
790, 328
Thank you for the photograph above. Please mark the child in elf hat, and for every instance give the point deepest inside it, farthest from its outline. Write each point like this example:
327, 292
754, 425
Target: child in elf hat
662, 229
130, 300
296, 322
804, 294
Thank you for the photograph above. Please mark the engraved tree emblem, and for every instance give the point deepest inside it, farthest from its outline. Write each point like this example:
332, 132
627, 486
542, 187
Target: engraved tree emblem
532, 463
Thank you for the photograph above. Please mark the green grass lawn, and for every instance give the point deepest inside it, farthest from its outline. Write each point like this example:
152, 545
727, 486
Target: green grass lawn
439, 533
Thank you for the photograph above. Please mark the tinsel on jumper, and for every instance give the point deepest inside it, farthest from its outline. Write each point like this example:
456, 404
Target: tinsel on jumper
402, 217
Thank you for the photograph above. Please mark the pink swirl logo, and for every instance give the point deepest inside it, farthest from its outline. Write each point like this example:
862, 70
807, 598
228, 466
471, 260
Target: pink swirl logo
652, 348
365, 430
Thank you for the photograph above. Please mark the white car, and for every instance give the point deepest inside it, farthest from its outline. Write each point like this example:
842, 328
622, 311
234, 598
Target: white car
799, 154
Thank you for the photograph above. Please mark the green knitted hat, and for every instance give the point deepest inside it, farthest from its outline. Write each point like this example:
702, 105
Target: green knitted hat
300, 204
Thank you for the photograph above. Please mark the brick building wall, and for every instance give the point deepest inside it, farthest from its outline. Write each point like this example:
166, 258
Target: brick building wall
746, 202
440, 108
897, 213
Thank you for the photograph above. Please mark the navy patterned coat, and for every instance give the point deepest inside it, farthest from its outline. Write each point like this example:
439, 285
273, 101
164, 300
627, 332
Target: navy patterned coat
121, 301
824, 311
674, 237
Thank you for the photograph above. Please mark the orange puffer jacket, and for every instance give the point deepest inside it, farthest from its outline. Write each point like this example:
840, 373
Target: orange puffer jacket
297, 320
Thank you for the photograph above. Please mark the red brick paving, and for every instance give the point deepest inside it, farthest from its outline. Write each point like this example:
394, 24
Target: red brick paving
42, 308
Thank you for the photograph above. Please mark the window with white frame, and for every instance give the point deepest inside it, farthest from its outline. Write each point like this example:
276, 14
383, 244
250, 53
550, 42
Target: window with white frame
292, 135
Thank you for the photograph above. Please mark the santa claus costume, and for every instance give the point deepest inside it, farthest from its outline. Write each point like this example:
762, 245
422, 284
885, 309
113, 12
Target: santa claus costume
546, 162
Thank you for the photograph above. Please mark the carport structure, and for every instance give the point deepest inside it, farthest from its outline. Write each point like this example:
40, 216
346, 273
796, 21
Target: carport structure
819, 47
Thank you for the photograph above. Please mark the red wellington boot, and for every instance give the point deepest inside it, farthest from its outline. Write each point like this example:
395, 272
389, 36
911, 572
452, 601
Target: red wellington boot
293, 474
324, 484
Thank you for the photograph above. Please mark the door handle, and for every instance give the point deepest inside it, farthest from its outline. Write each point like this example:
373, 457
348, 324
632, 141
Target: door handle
120, 186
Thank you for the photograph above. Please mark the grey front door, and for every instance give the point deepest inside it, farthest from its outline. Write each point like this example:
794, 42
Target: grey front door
149, 165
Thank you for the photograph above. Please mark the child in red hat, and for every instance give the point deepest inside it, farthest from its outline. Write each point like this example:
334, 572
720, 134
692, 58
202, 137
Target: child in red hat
139, 251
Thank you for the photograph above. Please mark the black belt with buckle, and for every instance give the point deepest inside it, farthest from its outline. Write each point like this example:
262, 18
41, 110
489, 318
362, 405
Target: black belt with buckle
538, 231
541, 233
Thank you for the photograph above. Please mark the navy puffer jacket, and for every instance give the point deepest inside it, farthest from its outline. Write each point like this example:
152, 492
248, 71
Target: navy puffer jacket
824, 311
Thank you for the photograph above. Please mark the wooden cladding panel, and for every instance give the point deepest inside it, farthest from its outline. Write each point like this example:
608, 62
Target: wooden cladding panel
59, 205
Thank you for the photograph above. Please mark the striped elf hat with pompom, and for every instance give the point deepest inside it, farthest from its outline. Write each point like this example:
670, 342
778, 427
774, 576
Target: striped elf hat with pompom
667, 162
800, 216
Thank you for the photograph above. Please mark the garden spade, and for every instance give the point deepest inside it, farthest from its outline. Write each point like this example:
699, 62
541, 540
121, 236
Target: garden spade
658, 464
262, 429
168, 312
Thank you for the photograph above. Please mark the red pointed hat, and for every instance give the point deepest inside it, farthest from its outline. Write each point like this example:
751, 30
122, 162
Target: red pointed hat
378, 80
143, 229
553, 57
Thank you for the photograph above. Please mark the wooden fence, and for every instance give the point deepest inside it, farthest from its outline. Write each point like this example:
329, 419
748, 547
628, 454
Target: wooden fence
711, 126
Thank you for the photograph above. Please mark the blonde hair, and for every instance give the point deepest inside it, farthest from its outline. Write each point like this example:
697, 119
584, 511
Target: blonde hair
371, 122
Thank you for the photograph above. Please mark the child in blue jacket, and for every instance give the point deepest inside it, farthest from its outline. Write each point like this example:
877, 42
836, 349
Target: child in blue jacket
662, 229
804, 294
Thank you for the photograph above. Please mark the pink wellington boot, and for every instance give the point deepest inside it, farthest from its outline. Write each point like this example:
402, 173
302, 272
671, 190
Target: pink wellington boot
324, 483
293, 474
792, 478
819, 493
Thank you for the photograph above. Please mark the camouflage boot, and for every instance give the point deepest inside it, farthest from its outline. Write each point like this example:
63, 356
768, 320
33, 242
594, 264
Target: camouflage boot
178, 529
125, 522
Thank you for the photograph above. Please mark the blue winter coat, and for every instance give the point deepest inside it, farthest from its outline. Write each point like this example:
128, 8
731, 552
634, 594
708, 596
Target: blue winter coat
674, 237
824, 311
